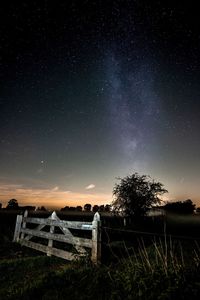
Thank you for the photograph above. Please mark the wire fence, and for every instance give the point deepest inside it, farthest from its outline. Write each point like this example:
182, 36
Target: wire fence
119, 243
147, 233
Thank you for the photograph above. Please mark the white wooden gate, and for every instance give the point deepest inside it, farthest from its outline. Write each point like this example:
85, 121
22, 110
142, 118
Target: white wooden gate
23, 235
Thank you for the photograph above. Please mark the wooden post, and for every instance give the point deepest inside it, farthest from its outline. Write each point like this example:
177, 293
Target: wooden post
50, 242
96, 239
17, 228
24, 223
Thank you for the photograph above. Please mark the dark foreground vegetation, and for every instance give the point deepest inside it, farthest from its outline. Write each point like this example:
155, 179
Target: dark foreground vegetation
135, 266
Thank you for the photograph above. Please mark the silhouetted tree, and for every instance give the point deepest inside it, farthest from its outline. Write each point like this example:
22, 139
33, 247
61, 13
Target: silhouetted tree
12, 204
87, 207
135, 194
95, 208
181, 207
42, 208
65, 208
101, 208
107, 207
72, 208
79, 208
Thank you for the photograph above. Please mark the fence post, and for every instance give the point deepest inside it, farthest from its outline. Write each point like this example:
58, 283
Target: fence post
96, 239
24, 223
50, 242
17, 228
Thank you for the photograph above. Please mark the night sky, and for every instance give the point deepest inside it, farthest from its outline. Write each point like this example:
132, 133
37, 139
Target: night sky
94, 90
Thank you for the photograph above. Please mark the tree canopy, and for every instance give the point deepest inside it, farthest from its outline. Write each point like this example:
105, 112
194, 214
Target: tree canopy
12, 204
135, 194
87, 207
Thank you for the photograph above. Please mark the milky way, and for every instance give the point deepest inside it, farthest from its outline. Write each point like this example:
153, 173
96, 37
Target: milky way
134, 107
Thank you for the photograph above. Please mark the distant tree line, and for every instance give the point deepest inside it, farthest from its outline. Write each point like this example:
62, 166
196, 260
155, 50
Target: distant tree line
181, 207
13, 205
88, 207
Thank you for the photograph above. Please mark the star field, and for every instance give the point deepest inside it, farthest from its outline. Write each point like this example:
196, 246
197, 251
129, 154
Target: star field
94, 90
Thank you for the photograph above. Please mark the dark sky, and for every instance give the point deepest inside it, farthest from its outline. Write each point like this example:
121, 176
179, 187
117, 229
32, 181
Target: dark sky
94, 90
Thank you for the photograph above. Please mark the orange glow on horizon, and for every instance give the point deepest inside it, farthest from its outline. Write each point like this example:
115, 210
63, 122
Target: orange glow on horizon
50, 197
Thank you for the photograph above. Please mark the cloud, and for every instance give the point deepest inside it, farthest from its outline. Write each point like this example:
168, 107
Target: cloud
9, 187
90, 186
55, 189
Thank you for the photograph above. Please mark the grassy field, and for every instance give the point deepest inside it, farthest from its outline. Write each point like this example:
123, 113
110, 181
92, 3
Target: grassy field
134, 267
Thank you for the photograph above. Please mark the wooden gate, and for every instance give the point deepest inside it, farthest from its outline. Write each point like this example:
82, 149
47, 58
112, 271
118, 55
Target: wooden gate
23, 235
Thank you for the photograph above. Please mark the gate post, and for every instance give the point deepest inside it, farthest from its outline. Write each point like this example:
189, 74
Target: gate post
24, 223
50, 242
17, 228
96, 239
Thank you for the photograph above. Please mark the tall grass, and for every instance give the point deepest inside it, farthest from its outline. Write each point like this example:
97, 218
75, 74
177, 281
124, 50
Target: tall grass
164, 270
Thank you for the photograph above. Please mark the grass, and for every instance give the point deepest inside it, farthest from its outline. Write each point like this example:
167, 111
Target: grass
160, 271
20, 276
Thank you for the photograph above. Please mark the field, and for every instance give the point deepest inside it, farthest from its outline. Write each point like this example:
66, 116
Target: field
163, 265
